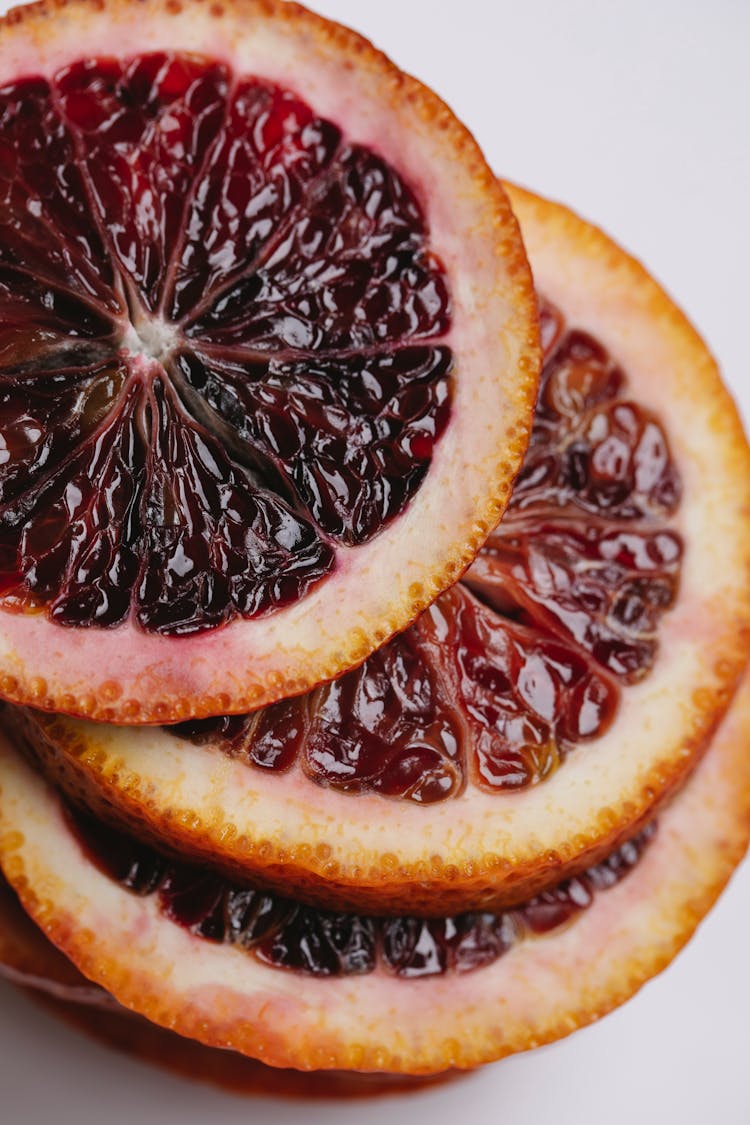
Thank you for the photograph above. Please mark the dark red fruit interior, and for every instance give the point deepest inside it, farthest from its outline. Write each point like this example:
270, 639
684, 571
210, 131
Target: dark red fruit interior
524, 658
289, 935
221, 344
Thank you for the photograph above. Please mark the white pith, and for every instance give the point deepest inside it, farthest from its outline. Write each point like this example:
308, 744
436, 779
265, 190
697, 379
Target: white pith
152, 338
541, 989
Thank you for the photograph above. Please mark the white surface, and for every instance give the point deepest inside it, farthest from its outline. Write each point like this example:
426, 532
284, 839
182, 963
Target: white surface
637, 115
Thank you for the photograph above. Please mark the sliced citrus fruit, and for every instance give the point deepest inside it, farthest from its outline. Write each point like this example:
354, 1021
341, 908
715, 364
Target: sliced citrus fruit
245, 969
262, 306
33, 963
30, 961
603, 627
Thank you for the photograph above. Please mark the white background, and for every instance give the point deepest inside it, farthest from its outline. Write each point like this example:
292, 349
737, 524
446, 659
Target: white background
637, 114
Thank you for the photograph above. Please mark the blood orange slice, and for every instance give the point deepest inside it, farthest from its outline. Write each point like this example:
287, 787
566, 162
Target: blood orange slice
603, 628
244, 969
262, 305
33, 963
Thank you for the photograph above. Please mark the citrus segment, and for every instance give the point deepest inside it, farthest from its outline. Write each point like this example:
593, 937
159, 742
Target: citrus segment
212, 538
49, 329
67, 537
46, 231
269, 151
44, 424
351, 437
585, 548
305, 312
353, 270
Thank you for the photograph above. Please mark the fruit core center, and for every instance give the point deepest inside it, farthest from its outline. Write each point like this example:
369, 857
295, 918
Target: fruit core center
150, 337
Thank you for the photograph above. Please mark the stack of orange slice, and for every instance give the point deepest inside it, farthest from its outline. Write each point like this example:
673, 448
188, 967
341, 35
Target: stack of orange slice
374, 563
